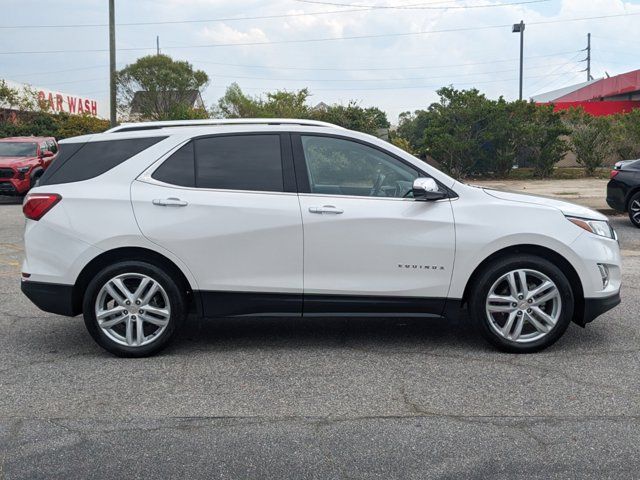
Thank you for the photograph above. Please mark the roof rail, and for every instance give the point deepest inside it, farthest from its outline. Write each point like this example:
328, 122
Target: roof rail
132, 127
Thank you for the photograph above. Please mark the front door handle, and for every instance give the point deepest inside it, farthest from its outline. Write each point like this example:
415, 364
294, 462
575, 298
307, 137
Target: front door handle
170, 202
326, 209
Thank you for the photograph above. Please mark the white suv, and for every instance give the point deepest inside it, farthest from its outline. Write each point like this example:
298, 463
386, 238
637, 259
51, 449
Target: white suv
141, 225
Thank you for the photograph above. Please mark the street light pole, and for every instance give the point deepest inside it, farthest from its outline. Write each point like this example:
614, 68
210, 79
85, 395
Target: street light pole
519, 28
112, 63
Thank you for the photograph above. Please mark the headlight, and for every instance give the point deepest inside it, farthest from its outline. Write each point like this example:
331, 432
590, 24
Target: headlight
24, 169
597, 227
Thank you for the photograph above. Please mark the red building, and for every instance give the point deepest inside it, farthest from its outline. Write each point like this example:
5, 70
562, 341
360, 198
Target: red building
606, 96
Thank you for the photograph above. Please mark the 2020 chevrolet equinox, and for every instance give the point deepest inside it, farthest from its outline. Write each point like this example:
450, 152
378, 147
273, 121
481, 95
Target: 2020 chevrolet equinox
140, 226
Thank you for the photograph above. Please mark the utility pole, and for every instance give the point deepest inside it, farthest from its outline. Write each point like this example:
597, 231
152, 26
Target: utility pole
589, 77
112, 63
519, 28
157, 44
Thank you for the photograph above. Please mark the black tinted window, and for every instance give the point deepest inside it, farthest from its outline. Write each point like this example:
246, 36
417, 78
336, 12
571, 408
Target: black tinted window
239, 162
178, 169
85, 161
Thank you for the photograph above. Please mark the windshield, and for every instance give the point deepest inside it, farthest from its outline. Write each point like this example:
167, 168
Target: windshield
18, 149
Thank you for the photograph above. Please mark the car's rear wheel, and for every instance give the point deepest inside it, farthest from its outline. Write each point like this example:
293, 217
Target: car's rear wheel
133, 308
634, 209
522, 303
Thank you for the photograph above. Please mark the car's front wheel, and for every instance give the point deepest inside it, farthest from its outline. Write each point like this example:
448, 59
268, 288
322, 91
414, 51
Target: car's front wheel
634, 209
522, 303
133, 308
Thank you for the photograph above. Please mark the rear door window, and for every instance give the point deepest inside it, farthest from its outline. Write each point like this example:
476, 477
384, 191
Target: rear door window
239, 162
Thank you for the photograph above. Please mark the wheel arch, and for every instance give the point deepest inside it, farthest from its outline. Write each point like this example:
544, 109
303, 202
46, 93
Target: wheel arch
630, 195
561, 262
132, 253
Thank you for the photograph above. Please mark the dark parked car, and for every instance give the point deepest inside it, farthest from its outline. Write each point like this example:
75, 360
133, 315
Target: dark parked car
623, 190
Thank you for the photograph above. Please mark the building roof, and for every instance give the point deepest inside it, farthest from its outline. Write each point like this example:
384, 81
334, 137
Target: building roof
594, 90
560, 92
624, 84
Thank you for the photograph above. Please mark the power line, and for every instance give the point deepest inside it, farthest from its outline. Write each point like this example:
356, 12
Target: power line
321, 69
420, 6
52, 72
355, 8
407, 87
502, 80
555, 70
332, 80
349, 80
326, 39
368, 69
178, 22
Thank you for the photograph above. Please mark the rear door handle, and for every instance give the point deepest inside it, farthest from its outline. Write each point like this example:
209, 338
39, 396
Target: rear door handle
170, 202
326, 209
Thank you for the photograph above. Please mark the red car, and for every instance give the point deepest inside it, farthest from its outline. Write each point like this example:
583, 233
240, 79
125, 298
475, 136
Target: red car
22, 161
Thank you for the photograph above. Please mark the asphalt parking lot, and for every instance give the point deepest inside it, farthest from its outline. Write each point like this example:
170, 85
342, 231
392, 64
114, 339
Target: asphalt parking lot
330, 398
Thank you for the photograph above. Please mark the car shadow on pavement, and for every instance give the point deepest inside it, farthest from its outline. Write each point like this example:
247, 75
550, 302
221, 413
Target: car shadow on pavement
62, 337
366, 333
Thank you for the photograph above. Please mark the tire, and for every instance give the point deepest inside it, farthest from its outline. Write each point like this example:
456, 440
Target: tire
118, 331
541, 322
634, 209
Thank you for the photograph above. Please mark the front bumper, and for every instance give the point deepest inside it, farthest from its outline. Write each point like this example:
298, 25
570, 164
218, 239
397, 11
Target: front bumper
594, 307
14, 186
51, 297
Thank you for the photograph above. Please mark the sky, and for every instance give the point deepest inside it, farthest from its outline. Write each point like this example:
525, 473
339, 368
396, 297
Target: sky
403, 50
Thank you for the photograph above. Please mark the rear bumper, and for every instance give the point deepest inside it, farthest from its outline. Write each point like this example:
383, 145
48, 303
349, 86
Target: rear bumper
51, 297
617, 195
616, 204
594, 307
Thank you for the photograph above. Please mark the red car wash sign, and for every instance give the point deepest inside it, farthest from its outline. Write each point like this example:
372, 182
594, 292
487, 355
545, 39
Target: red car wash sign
62, 102
57, 102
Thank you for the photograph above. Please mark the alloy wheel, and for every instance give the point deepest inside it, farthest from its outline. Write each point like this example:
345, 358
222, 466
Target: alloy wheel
634, 208
132, 309
523, 305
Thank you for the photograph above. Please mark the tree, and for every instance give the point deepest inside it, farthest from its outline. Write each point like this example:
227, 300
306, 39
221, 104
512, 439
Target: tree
457, 130
279, 104
591, 139
354, 117
626, 134
411, 126
166, 84
402, 143
75, 125
284, 104
22, 99
542, 143
505, 135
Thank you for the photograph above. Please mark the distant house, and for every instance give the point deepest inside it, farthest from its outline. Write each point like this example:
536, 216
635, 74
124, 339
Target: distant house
322, 107
149, 104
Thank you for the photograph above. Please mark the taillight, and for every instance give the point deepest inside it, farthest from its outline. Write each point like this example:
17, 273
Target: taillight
614, 173
37, 204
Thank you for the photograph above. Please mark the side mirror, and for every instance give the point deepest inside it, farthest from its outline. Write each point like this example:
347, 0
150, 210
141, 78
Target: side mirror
46, 154
426, 190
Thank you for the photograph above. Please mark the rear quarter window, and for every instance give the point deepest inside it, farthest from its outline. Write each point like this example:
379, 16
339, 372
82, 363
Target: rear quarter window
179, 168
82, 161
